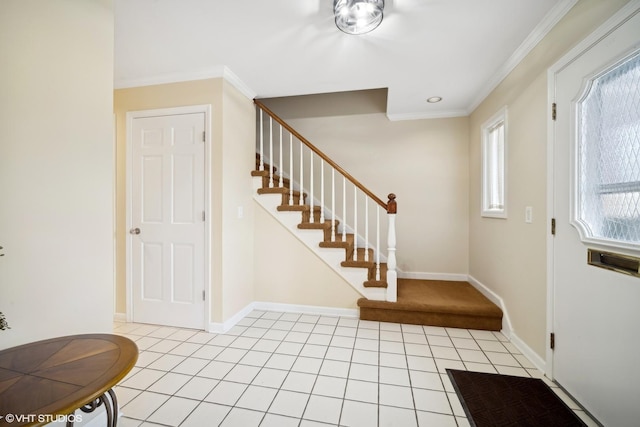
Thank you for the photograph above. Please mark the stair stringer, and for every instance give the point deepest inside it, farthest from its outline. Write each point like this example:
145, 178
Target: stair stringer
332, 257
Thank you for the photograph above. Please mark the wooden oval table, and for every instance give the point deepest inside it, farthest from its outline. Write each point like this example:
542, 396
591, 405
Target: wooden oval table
47, 380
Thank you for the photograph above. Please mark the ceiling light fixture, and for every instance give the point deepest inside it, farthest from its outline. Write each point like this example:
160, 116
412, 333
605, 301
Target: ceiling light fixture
434, 99
358, 16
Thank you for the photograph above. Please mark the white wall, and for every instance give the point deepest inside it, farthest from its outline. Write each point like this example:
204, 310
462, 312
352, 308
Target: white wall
56, 168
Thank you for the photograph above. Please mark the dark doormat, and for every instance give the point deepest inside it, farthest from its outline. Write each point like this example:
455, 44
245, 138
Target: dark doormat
493, 400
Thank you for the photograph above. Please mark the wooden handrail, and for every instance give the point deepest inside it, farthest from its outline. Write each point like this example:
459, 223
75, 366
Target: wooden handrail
392, 203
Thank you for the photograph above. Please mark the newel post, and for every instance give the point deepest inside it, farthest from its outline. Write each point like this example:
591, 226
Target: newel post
392, 274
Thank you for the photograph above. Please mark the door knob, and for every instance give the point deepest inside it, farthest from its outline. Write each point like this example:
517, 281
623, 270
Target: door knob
134, 231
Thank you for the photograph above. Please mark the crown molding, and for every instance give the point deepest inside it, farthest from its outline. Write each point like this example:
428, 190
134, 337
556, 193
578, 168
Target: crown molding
427, 115
218, 71
542, 29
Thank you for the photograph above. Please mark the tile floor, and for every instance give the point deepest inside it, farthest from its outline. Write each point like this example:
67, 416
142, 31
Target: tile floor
285, 369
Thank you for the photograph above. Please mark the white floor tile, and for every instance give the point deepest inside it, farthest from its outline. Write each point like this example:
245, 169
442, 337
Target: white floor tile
359, 414
432, 401
170, 383
439, 341
216, 369
362, 372
242, 374
299, 381
323, 409
335, 368
173, 411
394, 376
226, 393
197, 388
143, 405
430, 419
365, 356
143, 379
418, 363
289, 369
393, 417
273, 420
363, 391
392, 395
393, 360
242, 417
330, 386
281, 361
255, 358
427, 380
270, 378
208, 352
339, 353
289, 403
307, 364
257, 398
190, 366
167, 362
391, 336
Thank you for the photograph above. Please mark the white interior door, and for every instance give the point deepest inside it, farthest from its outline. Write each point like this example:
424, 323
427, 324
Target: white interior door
596, 312
167, 220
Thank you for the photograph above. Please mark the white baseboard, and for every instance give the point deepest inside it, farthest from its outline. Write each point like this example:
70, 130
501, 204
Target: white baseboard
307, 309
221, 328
449, 277
119, 317
538, 361
497, 300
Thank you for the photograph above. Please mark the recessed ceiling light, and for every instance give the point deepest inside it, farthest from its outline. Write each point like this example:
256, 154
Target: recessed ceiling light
434, 99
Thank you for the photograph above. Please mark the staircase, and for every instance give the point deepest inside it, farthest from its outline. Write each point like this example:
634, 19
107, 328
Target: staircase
309, 200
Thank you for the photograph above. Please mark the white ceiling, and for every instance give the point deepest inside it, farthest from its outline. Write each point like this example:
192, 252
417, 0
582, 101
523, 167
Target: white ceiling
456, 49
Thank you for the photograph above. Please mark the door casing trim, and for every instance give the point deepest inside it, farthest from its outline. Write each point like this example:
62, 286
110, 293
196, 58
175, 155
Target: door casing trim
130, 117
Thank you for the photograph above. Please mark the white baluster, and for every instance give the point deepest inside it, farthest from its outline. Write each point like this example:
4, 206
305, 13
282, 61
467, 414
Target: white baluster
261, 142
280, 161
355, 223
344, 208
378, 243
321, 190
366, 229
290, 169
333, 205
301, 201
271, 152
311, 219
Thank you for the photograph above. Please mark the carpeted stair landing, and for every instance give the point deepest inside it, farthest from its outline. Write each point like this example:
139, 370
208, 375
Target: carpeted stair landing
435, 303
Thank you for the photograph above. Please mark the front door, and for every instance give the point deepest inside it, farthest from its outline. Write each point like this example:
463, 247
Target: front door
167, 219
596, 311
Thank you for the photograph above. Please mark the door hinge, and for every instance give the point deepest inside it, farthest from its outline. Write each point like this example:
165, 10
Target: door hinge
552, 341
553, 111
203, 299
204, 133
553, 226
204, 216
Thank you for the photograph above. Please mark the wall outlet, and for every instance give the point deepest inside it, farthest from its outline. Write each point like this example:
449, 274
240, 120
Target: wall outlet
240, 212
528, 214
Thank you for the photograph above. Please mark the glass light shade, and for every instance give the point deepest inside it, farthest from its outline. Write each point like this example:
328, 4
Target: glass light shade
358, 16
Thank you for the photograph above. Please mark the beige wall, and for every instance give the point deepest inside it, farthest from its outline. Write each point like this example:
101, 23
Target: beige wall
232, 147
56, 168
237, 161
509, 256
287, 272
424, 162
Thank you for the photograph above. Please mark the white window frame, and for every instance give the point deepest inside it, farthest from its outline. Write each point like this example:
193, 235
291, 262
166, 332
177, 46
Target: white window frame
494, 165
